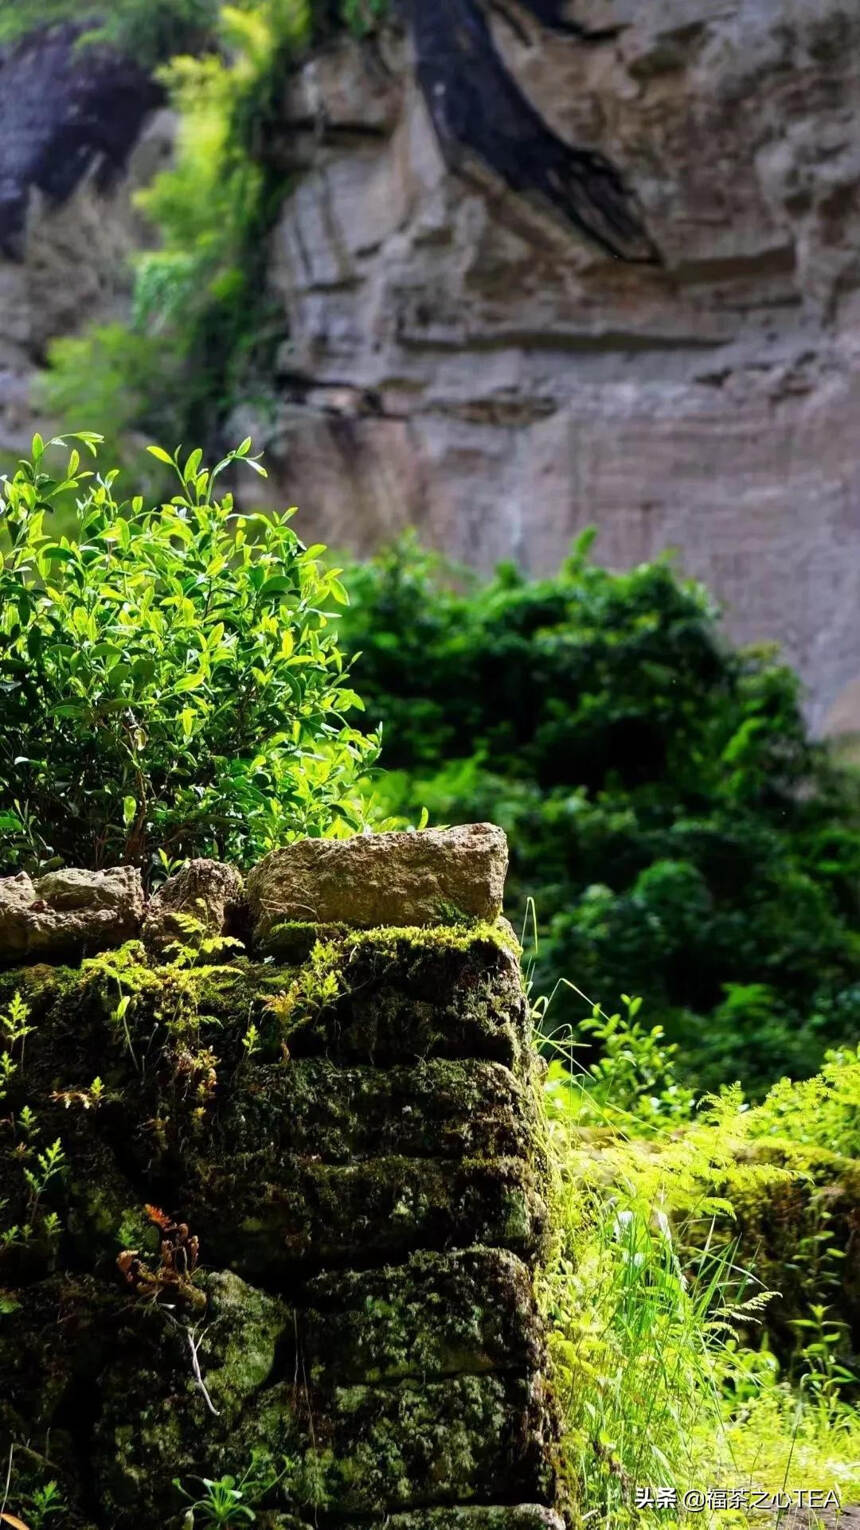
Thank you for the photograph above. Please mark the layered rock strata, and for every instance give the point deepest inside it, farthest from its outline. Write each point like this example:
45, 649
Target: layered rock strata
459, 362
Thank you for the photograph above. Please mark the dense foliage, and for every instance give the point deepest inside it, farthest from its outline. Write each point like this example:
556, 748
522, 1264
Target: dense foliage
681, 835
152, 31
171, 682
148, 32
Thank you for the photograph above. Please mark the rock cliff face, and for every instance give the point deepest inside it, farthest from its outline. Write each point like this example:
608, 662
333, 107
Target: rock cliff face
460, 362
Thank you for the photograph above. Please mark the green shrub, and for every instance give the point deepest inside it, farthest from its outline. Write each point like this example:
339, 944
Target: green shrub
148, 30
680, 833
171, 681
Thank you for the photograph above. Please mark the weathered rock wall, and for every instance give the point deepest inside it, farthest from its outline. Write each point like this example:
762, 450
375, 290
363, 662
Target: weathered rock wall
459, 363
350, 1161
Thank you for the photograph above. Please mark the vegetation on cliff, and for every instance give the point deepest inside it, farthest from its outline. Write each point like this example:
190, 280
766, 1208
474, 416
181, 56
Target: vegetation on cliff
198, 323
200, 331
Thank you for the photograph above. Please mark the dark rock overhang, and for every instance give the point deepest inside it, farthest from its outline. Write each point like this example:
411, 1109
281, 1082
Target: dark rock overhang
479, 111
63, 110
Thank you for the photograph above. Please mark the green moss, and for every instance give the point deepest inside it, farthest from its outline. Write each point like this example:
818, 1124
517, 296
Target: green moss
39, 985
462, 936
469, 1311
338, 961
314, 1107
102, 1213
457, 1441
294, 940
386, 1207
154, 1421
404, 994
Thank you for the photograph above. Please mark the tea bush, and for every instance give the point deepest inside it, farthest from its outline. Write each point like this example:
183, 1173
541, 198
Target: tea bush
681, 834
172, 685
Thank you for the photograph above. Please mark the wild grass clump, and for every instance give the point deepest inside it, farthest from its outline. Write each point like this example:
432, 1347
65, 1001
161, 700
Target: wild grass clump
659, 1340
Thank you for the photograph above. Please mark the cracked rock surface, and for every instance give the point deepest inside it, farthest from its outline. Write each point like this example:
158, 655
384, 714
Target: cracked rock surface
382, 879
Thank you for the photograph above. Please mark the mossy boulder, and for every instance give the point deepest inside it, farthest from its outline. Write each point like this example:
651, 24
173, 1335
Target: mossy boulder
337, 1214
467, 1312
440, 1107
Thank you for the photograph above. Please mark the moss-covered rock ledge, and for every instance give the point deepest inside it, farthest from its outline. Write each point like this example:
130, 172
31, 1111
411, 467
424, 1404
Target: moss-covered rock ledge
272, 1192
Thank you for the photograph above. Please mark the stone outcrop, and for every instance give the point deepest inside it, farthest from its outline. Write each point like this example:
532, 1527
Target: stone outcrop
338, 1291
379, 879
410, 879
458, 362
68, 914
